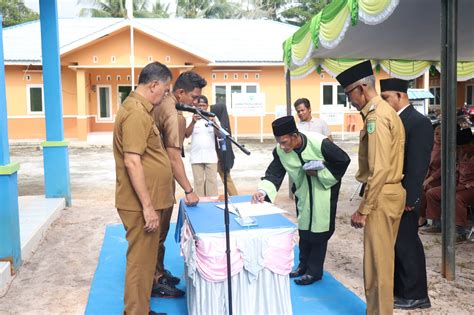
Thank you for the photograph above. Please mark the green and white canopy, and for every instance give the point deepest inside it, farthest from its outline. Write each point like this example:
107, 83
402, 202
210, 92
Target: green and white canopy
403, 37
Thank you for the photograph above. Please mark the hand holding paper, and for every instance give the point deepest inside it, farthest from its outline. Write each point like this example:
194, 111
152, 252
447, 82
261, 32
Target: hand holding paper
316, 165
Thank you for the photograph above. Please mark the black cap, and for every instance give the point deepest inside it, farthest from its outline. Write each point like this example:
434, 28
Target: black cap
284, 126
393, 84
202, 99
355, 73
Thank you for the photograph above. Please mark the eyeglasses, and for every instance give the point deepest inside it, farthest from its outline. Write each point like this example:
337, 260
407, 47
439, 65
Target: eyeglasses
351, 90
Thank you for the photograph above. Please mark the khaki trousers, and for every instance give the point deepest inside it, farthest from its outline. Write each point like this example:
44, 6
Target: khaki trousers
205, 178
231, 189
141, 262
380, 234
163, 230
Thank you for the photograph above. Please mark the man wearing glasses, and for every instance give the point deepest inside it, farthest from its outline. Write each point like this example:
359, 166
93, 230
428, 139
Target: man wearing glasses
172, 126
381, 153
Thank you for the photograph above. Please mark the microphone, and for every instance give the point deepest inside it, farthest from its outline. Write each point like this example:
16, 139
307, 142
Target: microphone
194, 110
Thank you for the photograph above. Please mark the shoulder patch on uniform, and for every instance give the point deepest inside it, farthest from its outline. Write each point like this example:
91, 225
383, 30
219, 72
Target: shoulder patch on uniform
371, 126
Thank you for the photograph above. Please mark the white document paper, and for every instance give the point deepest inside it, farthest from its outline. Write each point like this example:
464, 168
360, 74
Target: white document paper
247, 209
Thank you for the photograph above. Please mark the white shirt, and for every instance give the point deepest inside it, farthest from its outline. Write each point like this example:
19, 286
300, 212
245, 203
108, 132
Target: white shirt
203, 148
401, 110
314, 125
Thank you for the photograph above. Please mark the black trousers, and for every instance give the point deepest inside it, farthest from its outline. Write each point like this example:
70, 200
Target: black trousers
312, 255
410, 265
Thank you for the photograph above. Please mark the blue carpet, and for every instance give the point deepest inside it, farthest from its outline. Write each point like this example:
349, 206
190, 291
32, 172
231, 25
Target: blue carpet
327, 296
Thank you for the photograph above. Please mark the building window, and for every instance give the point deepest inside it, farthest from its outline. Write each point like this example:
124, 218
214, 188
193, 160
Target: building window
35, 99
123, 92
223, 92
220, 94
214, 76
226, 76
333, 94
104, 103
95, 59
109, 78
327, 95
113, 59
469, 94
150, 58
436, 91
236, 76
257, 76
246, 76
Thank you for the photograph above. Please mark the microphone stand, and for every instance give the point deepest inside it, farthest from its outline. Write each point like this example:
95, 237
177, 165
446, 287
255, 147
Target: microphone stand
224, 136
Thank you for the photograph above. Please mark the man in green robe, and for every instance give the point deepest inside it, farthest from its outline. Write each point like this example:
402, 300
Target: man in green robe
315, 165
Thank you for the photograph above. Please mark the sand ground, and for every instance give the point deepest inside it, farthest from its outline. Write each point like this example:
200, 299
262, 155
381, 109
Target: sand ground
57, 278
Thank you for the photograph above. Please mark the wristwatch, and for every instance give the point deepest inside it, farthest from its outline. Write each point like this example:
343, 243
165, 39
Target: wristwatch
188, 192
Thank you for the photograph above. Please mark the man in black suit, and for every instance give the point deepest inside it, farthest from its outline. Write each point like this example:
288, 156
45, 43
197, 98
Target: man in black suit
410, 284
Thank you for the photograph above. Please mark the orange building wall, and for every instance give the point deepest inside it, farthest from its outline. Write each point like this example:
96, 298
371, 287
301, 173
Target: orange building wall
104, 71
118, 45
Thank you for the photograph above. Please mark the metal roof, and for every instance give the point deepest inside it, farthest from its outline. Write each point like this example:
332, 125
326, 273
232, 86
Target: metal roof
419, 94
219, 41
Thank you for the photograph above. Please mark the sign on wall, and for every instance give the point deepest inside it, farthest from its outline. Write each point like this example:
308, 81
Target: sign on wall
248, 104
280, 111
333, 117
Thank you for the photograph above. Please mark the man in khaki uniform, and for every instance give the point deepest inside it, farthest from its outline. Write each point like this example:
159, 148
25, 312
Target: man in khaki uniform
381, 153
143, 182
172, 125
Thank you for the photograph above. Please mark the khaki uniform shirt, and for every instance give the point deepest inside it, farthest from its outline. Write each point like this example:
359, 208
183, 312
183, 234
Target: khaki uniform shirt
135, 132
381, 151
170, 122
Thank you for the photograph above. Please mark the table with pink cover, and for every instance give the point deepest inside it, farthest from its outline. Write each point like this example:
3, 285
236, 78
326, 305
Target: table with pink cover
261, 260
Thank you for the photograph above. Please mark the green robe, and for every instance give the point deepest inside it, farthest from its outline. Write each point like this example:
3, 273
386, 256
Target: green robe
316, 196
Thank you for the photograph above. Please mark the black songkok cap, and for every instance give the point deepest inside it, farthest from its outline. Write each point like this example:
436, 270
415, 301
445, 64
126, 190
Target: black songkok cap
284, 126
355, 73
202, 99
393, 84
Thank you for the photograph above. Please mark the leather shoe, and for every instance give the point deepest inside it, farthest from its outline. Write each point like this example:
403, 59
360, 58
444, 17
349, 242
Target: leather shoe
306, 279
297, 272
409, 304
171, 279
164, 289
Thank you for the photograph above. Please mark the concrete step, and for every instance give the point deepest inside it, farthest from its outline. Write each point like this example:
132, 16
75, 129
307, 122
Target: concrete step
36, 213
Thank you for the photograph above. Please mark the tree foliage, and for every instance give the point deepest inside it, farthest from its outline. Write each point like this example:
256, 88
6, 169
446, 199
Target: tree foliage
280, 10
303, 12
16, 12
267, 8
116, 8
208, 9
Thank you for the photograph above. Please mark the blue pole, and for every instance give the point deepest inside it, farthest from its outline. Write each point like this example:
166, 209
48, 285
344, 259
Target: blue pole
55, 149
10, 246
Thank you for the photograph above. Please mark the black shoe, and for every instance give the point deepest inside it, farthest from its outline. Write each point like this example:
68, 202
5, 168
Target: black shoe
423, 224
171, 279
408, 304
297, 272
155, 313
166, 290
306, 279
